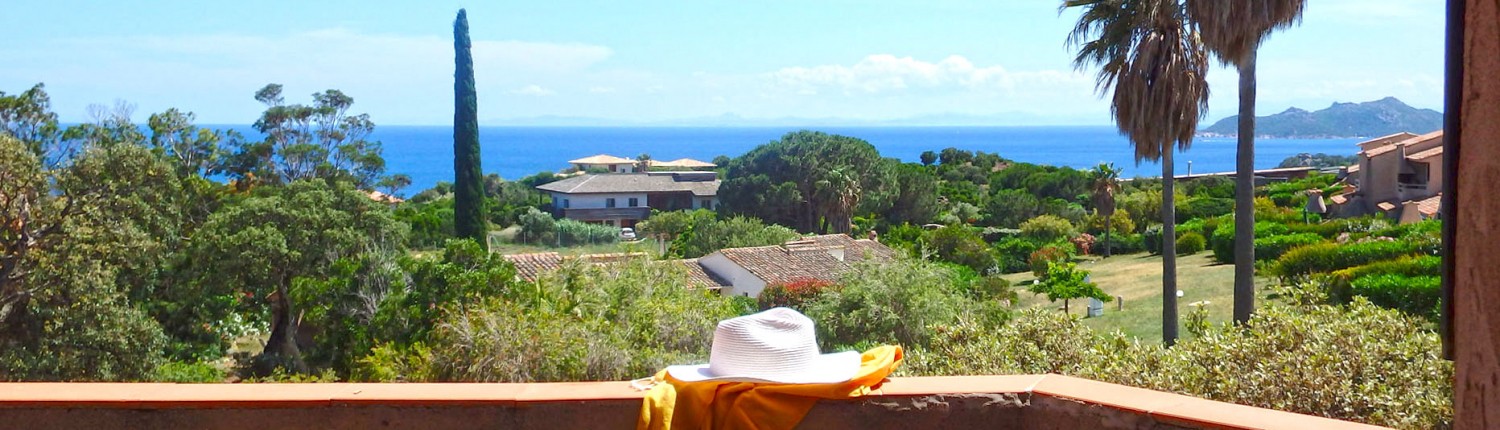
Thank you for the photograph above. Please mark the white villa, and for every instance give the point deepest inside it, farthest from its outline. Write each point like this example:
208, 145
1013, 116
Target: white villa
609, 163
625, 199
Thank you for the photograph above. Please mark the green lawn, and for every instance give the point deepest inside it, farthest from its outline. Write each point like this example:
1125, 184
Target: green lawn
1137, 278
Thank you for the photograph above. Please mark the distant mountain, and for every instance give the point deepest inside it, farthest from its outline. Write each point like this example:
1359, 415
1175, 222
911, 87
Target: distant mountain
1369, 119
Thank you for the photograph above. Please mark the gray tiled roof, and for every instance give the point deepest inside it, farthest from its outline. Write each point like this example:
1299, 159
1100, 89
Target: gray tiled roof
630, 183
701, 277
806, 258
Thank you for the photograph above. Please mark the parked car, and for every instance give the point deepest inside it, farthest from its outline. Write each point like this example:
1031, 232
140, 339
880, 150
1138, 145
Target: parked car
627, 233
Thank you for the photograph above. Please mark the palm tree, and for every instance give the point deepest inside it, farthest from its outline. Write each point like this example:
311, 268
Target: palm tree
1148, 53
839, 193
1233, 31
1105, 179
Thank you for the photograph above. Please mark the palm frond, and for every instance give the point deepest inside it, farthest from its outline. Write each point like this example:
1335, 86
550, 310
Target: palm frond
1233, 29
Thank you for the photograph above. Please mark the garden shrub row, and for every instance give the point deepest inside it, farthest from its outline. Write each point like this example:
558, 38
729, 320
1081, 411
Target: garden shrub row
1328, 257
1416, 295
1222, 241
1337, 284
1273, 247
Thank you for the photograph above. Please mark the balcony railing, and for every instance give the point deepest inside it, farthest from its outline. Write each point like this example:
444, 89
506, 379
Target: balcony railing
992, 402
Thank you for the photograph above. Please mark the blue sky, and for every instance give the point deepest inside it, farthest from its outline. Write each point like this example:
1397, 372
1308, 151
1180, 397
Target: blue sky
662, 60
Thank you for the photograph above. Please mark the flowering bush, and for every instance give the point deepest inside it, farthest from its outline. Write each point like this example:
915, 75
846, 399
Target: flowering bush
795, 294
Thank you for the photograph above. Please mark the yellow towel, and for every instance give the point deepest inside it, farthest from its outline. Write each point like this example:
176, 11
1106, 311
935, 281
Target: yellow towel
744, 405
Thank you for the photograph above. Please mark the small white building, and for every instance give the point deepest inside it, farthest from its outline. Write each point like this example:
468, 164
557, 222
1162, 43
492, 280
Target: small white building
608, 163
625, 199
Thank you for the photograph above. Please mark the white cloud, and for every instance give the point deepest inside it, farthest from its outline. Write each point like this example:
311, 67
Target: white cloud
533, 90
601, 90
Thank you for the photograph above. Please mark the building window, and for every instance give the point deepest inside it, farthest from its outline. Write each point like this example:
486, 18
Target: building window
609, 203
565, 203
634, 202
707, 204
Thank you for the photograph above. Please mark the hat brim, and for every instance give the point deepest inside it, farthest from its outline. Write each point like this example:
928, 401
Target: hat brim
826, 369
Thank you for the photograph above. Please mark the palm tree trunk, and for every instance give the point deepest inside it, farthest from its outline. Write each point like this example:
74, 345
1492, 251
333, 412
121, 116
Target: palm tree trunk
1106, 234
1168, 249
1244, 198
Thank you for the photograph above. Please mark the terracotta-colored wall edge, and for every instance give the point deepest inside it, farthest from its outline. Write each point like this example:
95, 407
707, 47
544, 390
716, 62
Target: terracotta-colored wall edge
1164, 406
1182, 409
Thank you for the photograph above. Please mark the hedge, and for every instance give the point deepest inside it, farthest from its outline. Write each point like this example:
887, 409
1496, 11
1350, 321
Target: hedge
1416, 295
1222, 241
1338, 283
1328, 257
1273, 247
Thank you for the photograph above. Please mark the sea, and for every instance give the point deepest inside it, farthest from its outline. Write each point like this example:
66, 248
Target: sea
426, 152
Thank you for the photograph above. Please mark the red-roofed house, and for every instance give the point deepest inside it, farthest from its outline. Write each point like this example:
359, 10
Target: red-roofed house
1392, 171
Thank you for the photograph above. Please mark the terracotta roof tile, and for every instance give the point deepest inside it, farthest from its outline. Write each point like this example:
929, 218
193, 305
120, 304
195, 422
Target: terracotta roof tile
1353, 168
1386, 206
1384, 140
1339, 199
1430, 153
1408, 142
701, 277
531, 266
1429, 206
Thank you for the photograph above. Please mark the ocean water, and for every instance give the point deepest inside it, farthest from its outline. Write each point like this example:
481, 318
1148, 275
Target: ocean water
426, 152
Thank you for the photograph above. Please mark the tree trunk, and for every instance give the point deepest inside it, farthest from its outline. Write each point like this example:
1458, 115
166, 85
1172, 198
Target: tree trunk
1106, 234
1168, 250
1066, 311
1244, 198
281, 348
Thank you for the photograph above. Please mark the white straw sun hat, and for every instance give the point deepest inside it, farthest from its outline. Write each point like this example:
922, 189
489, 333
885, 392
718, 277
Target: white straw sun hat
775, 346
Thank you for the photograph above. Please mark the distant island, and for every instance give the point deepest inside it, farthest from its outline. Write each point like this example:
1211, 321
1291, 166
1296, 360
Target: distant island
1368, 119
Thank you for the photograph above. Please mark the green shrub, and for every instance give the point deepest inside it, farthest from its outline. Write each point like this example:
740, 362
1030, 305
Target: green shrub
1189, 244
793, 295
1151, 238
1272, 247
572, 232
1416, 295
887, 302
962, 245
1203, 207
581, 322
1328, 257
1404, 231
1124, 244
1046, 256
1358, 363
1337, 284
1211, 225
1222, 242
181, 372
1014, 254
1047, 228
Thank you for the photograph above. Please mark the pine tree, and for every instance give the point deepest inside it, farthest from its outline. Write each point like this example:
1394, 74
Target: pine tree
468, 190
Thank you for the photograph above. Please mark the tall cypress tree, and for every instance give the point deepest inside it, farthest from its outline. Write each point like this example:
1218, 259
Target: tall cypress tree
468, 193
